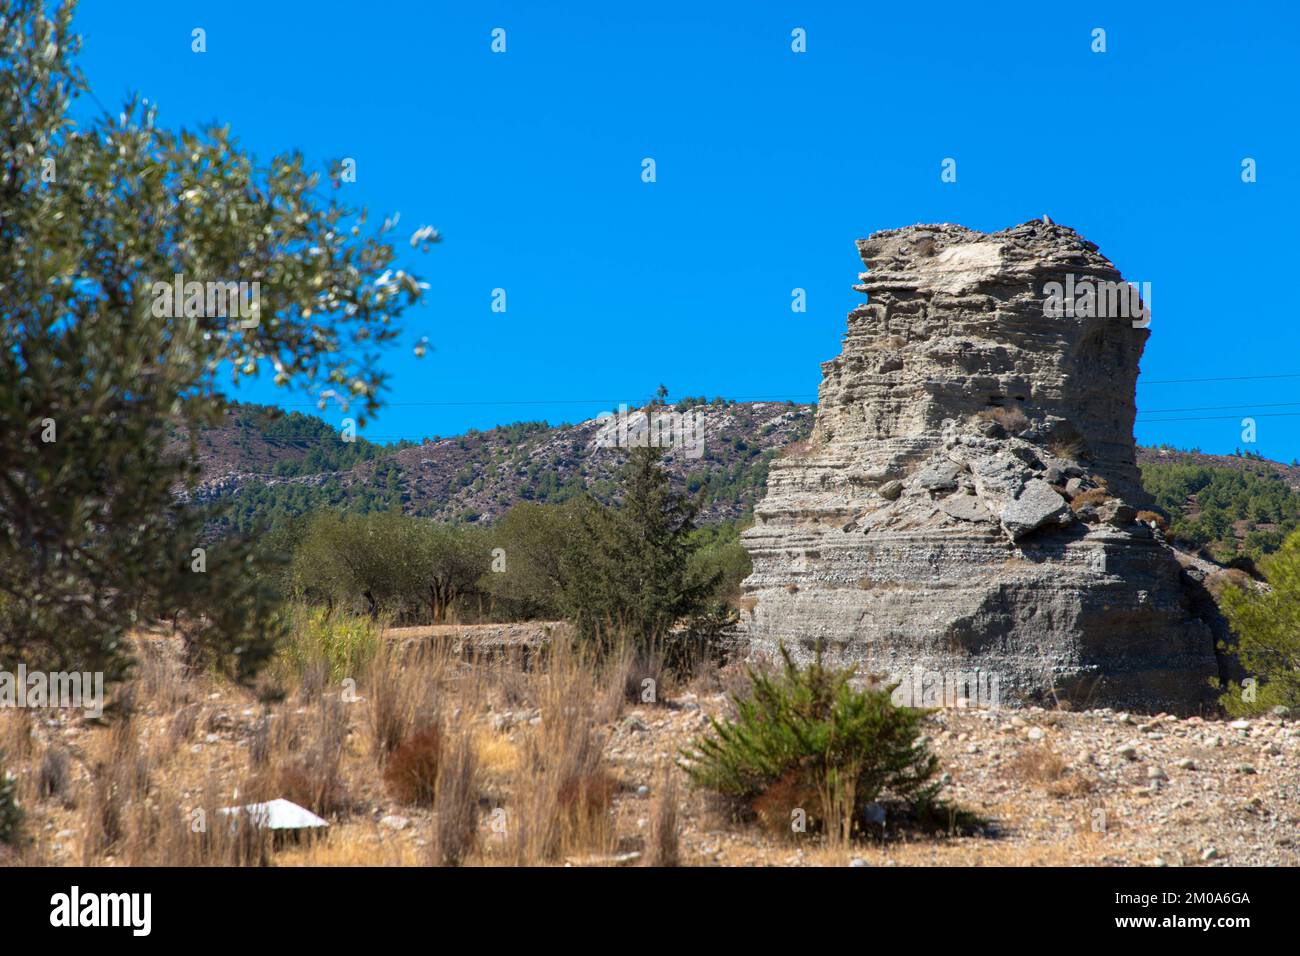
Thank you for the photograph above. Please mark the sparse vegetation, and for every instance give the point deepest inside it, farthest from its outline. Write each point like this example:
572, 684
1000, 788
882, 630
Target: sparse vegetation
804, 740
1011, 418
1267, 625
11, 814
412, 769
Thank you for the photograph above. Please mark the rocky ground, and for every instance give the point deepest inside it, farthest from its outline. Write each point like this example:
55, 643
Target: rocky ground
1057, 788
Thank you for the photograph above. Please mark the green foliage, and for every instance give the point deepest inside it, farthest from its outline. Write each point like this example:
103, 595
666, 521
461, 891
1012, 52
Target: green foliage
93, 381
533, 539
261, 506
315, 446
808, 737
1267, 625
388, 563
721, 557
546, 566
344, 643
629, 569
1223, 496
11, 814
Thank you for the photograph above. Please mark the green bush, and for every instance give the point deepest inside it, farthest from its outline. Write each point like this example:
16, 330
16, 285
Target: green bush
1267, 625
11, 814
344, 643
806, 739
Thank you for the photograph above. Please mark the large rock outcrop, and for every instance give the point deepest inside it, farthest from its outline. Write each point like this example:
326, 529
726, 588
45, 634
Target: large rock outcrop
969, 497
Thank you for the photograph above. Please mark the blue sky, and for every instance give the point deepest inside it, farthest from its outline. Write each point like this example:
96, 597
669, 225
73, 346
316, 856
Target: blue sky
769, 165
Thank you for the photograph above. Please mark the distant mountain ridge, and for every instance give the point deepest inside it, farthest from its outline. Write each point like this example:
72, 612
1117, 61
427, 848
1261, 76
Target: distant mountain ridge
263, 466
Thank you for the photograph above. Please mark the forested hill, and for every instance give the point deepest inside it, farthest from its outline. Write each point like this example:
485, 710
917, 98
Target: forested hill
264, 466
1228, 504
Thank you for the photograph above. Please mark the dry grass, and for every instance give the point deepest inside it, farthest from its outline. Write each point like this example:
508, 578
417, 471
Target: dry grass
1094, 496
16, 735
455, 802
1220, 581
301, 758
402, 685
1012, 419
561, 801
664, 846
144, 786
120, 784
411, 773
1044, 767
1160, 522
1067, 449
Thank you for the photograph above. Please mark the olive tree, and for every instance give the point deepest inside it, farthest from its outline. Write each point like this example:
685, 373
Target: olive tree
98, 367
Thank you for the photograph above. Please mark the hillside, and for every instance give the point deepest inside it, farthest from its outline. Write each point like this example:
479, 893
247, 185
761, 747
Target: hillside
1231, 505
260, 468
264, 466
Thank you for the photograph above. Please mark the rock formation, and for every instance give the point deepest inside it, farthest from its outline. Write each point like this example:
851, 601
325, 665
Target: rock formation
969, 498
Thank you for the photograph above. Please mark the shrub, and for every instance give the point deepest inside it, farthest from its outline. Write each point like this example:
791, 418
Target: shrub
54, 779
1093, 496
1153, 518
805, 738
340, 642
1267, 625
412, 771
1012, 419
11, 814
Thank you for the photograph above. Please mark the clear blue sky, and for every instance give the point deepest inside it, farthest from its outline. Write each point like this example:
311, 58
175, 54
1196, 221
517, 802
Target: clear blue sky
769, 164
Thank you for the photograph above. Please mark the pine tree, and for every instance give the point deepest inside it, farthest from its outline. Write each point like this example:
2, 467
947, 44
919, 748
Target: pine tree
1267, 625
629, 571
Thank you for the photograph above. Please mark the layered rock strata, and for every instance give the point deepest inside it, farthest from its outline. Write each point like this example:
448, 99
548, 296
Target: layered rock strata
969, 499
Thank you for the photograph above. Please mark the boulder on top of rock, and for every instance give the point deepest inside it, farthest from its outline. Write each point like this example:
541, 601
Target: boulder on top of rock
1036, 505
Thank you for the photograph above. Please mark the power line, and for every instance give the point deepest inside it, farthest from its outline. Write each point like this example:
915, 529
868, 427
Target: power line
1226, 378
813, 395
1221, 418
551, 401
1214, 408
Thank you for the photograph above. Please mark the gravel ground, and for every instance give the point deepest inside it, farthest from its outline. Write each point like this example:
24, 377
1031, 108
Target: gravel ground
1054, 788
1091, 788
